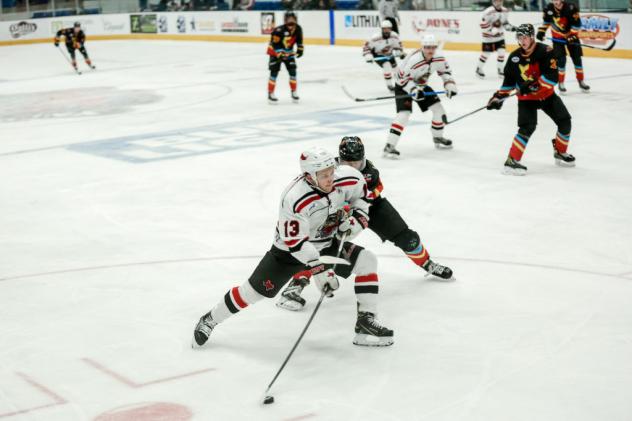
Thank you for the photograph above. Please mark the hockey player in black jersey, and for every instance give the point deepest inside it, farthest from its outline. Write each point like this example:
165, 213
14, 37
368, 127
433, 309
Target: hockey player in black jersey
532, 71
75, 39
384, 220
281, 51
563, 19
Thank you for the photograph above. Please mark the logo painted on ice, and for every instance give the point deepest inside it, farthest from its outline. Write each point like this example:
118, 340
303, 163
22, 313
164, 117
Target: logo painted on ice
227, 137
598, 29
21, 29
362, 21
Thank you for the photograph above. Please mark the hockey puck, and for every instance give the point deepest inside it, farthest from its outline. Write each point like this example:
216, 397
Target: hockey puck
268, 400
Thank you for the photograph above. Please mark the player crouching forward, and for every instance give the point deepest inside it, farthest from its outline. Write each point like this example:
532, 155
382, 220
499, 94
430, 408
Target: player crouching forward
311, 215
411, 85
382, 49
384, 220
532, 70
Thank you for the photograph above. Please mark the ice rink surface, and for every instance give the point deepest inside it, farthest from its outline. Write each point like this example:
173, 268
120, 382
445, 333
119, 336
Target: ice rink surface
132, 197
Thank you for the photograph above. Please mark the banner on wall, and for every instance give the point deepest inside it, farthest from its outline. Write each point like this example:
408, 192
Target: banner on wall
143, 24
598, 30
235, 25
22, 29
267, 23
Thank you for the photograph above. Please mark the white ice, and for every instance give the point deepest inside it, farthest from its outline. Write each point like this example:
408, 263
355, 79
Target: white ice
134, 196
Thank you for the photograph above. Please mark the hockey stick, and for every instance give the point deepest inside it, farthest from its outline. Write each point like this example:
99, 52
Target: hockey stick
268, 399
563, 41
379, 98
475, 111
69, 62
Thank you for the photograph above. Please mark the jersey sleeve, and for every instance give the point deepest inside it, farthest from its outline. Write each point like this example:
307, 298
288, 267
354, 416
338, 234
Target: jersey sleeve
81, 38
299, 39
548, 69
275, 42
443, 70
293, 228
509, 80
367, 50
575, 22
547, 20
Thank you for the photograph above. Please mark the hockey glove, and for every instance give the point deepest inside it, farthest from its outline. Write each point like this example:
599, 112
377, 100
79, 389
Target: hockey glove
417, 94
511, 28
540, 35
572, 39
402, 55
450, 89
299, 52
325, 279
495, 102
353, 225
56, 42
529, 86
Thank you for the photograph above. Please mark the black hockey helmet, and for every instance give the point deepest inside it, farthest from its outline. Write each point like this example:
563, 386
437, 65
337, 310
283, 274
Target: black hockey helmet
290, 14
77, 25
351, 149
525, 30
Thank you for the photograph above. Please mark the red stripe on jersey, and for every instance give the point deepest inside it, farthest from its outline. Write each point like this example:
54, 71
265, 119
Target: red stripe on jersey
237, 298
346, 183
306, 202
371, 277
290, 243
397, 126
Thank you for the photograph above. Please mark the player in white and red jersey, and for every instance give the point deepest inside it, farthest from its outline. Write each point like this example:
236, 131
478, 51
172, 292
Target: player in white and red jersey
382, 48
493, 25
412, 85
312, 217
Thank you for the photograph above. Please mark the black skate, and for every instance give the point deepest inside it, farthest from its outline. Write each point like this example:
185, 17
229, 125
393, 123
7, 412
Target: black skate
442, 143
390, 152
582, 85
291, 296
272, 99
513, 167
480, 74
370, 333
438, 272
562, 87
295, 97
203, 330
563, 159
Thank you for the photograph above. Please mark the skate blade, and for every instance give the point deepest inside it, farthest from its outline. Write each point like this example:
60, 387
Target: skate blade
362, 339
481, 77
272, 102
440, 146
586, 91
562, 163
514, 171
431, 277
290, 305
295, 101
390, 156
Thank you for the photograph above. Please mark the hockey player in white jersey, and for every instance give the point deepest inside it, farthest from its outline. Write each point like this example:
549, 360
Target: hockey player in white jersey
412, 85
493, 25
382, 48
312, 218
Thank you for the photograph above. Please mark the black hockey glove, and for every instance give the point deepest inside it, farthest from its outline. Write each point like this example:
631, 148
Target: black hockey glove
56, 43
496, 102
529, 86
299, 52
572, 39
540, 35
512, 28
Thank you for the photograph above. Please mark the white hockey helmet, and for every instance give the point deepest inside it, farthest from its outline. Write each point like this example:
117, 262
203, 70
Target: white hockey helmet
316, 159
429, 40
386, 24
